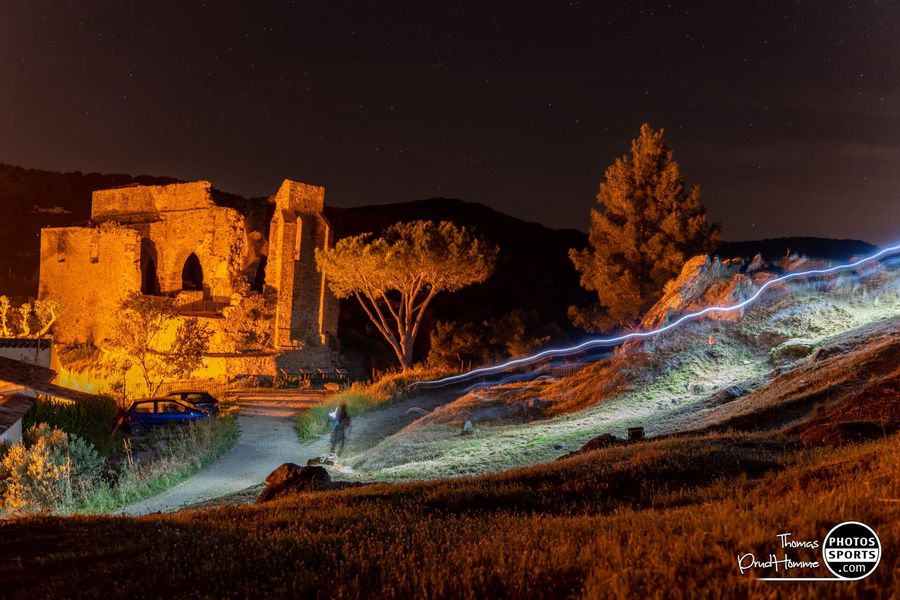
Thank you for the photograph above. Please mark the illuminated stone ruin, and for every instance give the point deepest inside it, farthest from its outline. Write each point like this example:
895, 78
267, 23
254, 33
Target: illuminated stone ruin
208, 252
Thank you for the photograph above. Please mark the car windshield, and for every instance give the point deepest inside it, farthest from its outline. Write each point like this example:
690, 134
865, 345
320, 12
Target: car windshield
143, 407
171, 407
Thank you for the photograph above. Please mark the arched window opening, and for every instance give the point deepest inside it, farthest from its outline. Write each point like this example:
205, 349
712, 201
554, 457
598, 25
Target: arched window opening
259, 276
192, 274
149, 279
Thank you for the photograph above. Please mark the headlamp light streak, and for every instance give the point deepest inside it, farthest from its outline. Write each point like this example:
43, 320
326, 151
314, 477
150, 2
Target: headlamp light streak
612, 341
529, 376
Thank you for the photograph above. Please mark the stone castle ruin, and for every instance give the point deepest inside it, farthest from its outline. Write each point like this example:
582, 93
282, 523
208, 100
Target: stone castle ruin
214, 255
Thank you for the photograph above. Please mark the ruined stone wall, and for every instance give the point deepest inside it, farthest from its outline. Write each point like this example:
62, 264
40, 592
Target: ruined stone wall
216, 235
176, 221
138, 203
87, 271
330, 305
306, 311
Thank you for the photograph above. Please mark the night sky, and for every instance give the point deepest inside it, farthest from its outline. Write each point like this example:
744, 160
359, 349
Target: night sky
788, 114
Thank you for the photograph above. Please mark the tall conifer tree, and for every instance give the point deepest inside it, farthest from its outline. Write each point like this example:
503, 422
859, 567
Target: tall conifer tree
646, 225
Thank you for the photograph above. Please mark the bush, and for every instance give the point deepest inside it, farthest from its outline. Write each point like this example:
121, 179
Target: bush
91, 419
60, 473
520, 332
86, 467
48, 472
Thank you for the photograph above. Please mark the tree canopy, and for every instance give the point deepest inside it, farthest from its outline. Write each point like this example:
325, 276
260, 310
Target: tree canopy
28, 319
395, 276
646, 225
149, 337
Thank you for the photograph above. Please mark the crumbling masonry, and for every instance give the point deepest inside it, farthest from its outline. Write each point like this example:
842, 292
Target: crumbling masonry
207, 251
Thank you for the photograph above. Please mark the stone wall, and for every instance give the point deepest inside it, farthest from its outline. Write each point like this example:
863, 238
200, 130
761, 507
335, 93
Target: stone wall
175, 221
138, 203
306, 310
87, 271
215, 235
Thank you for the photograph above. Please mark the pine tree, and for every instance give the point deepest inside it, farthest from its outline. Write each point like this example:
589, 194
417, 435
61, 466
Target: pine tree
646, 226
396, 276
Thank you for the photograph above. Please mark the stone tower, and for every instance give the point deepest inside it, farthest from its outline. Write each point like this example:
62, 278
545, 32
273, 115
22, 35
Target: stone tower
306, 312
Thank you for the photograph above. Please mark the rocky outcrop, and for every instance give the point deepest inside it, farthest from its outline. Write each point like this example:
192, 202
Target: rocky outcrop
703, 282
324, 459
290, 478
791, 350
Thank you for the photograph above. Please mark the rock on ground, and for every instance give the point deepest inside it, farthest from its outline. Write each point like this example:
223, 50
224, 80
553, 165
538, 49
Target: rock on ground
601, 441
291, 478
791, 350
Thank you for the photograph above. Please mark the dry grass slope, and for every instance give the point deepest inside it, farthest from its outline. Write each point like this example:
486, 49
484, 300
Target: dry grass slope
661, 519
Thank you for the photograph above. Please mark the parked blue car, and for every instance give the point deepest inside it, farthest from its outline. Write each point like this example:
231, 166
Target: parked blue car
155, 412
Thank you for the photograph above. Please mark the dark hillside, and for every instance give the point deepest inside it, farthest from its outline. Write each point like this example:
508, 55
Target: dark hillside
776, 248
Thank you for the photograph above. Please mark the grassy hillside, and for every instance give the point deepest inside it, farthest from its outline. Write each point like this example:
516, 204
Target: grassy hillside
847, 334
660, 519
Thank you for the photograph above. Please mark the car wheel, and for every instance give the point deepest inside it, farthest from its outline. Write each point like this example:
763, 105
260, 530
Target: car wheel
136, 429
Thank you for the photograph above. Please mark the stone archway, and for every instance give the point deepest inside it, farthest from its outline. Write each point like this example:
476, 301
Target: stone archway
150, 279
192, 274
150, 283
258, 275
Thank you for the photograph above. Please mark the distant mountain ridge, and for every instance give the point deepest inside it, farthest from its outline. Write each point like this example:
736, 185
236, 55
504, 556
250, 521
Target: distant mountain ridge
772, 248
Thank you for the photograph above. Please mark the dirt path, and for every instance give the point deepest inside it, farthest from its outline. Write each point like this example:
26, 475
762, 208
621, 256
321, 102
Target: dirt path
267, 439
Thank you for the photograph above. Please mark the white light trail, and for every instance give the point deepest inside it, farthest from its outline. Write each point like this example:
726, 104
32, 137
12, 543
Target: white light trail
692, 316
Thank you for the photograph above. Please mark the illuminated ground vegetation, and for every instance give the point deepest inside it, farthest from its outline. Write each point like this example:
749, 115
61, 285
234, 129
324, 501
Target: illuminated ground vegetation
669, 385
664, 518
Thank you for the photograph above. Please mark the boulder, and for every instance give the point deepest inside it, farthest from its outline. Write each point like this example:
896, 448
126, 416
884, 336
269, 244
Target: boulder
601, 441
727, 395
291, 478
790, 350
756, 264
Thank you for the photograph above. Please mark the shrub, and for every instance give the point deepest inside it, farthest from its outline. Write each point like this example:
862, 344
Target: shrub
48, 472
86, 466
520, 332
60, 473
90, 419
